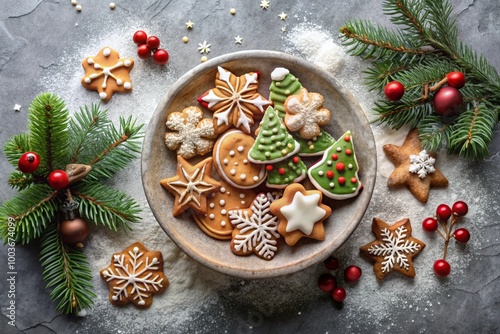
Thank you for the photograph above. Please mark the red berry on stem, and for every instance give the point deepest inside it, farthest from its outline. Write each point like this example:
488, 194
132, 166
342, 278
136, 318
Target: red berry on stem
327, 282
160, 56
143, 51
352, 273
460, 208
448, 101
442, 268
430, 224
394, 90
456, 79
338, 294
331, 263
140, 37
153, 42
28, 162
443, 212
58, 179
461, 235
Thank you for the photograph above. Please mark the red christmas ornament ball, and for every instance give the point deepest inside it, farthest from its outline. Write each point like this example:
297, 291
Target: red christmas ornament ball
153, 42
327, 282
430, 224
28, 162
339, 294
442, 268
143, 51
448, 101
140, 37
456, 79
443, 212
331, 263
394, 90
460, 208
352, 273
58, 179
461, 235
160, 56
73, 231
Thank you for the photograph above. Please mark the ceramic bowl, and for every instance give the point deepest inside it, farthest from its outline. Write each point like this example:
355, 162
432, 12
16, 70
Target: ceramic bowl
158, 162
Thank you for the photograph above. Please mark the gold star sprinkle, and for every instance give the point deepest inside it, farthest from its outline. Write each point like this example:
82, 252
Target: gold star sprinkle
238, 40
264, 4
283, 16
189, 24
283, 29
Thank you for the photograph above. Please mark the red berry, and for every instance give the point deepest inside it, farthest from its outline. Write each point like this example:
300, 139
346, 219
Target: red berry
28, 162
461, 235
430, 224
443, 212
327, 282
338, 294
140, 37
160, 57
153, 42
442, 268
456, 79
58, 179
394, 90
143, 51
448, 101
460, 208
352, 273
331, 263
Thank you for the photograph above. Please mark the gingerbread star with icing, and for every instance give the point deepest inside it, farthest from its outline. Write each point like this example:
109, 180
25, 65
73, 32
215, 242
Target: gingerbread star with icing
403, 158
191, 185
393, 249
107, 73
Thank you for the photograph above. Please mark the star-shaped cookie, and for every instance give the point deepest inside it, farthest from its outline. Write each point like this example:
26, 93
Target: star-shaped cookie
394, 248
191, 185
401, 157
107, 73
301, 214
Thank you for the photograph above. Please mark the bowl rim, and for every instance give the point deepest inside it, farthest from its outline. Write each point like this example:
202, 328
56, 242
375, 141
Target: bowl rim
159, 116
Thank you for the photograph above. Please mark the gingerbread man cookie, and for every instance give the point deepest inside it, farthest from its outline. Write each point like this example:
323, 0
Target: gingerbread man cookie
107, 73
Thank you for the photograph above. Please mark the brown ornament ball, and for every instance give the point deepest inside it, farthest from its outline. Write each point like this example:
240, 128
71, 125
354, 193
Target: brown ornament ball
73, 231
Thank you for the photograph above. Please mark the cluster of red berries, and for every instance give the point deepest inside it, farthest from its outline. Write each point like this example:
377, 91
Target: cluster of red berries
442, 217
147, 46
30, 161
328, 283
447, 101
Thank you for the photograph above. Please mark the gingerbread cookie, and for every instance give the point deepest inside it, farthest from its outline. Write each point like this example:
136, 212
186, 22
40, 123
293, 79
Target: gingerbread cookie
314, 146
194, 134
231, 160
107, 73
285, 172
273, 142
134, 275
234, 100
215, 222
255, 229
414, 167
301, 214
305, 113
394, 248
336, 174
191, 185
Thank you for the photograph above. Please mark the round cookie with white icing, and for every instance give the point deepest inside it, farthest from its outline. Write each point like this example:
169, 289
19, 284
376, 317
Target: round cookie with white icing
215, 222
230, 156
107, 73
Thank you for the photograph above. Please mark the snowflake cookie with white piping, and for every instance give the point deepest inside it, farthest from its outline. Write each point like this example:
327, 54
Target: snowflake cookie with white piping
134, 275
107, 73
193, 134
255, 229
394, 248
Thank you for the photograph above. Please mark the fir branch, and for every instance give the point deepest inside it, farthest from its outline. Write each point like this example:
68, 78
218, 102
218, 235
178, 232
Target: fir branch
67, 271
409, 110
30, 211
104, 205
15, 147
382, 72
433, 133
20, 181
410, 14
48, 120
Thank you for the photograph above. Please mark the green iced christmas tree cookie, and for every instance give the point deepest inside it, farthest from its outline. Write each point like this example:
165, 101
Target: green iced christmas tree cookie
336, 174
283, 85
286, 172
315, 146
273, 143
